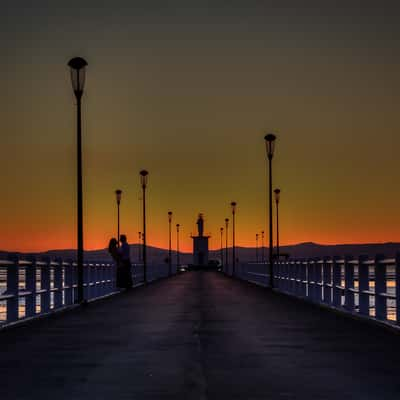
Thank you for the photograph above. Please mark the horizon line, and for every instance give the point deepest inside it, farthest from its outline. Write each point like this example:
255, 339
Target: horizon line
217, 249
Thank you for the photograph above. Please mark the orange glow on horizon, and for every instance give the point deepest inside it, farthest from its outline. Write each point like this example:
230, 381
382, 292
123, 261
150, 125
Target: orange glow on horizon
40, 242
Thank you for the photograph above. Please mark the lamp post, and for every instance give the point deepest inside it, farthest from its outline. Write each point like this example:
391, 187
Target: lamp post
270, 147
277, 198
233, 206
169, 244
77, 67
221, 251
143, 181
257, 247
118, 194
177, 246
226, 244
262, 248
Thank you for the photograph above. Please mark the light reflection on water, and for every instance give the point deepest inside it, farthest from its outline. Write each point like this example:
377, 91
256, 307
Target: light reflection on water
22, 286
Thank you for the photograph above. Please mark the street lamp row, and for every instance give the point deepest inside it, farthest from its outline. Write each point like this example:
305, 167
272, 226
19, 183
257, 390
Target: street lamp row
170, 244
257, 247
142, 235
270, 139
270, 148
233, 207
77, 67
277, 199
143, 181
277, 193
225, 262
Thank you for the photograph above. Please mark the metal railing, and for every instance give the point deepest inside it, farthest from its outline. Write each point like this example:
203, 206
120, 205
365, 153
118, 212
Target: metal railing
31, 287
363, 286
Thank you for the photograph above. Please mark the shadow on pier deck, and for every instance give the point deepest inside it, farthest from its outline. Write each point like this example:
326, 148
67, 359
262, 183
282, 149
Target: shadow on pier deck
199, 335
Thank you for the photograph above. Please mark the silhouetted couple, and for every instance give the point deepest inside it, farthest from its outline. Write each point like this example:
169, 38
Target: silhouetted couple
121, 256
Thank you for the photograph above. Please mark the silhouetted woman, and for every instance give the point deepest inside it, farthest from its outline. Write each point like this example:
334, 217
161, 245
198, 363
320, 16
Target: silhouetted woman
113, 250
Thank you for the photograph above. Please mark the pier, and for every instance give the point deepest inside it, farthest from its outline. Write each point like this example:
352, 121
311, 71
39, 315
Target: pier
202, 335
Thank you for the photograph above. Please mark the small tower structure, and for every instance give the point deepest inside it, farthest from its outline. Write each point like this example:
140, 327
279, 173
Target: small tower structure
200, 245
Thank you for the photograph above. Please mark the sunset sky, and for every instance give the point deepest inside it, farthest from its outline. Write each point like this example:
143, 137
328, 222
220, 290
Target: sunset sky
187, 90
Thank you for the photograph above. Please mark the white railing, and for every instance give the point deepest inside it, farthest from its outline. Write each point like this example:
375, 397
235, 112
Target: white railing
368, 287
31, 287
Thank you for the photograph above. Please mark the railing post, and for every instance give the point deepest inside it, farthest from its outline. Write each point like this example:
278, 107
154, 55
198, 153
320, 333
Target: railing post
303, 277
104, 284
74, 267
277, 273
107, 277
45, 285
68, 283
327, 280
112, 276
298, 278
94, 279
311, 279
306, 264
100, 276
96, 269
318, 281
363, 285
349, 283
88, 276
278, 277
30, 277
282, 278
293, 266
380, 288
397, 272
292, 277
58, 283
287, 277
337, 282
12, 288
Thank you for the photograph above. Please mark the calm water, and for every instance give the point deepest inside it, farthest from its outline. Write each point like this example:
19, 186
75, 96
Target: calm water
391, 287
3, 284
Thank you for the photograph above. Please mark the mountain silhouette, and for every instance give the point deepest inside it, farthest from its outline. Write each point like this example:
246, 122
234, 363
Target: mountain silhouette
302, 250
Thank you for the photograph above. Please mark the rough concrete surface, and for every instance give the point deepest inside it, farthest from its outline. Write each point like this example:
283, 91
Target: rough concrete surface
199, 335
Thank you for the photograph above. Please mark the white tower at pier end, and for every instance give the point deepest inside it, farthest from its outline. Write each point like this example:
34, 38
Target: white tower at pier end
200, 245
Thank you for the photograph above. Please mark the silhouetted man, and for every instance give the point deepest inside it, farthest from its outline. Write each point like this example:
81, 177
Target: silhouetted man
124, 252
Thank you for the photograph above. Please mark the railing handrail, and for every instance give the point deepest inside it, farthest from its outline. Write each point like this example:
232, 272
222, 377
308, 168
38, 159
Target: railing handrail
369, 286
43, 284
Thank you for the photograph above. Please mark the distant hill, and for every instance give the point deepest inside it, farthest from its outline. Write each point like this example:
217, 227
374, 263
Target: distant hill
154, 255
302, 250
310, 250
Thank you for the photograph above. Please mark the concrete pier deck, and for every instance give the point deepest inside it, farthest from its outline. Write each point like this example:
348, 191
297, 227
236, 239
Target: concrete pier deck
199, 335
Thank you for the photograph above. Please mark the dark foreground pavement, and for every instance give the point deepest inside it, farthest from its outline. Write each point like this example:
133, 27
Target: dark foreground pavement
199, 335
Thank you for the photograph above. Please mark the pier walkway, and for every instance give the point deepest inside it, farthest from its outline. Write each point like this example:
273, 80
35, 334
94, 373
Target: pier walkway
199, 335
